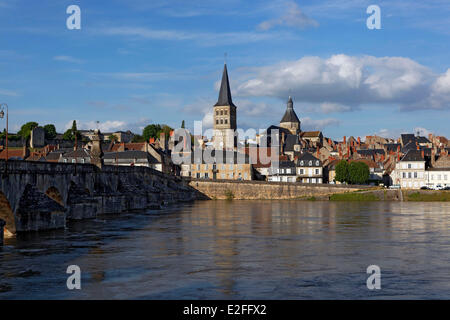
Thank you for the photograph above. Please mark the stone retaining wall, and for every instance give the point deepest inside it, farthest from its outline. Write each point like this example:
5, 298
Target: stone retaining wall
259, 190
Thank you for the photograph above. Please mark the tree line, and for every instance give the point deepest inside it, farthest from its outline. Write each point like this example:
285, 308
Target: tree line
356, 172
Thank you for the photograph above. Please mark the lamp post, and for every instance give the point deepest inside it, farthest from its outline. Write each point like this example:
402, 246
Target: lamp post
2, 115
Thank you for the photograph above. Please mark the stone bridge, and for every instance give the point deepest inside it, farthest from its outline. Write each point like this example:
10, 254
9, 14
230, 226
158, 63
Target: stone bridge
43, 195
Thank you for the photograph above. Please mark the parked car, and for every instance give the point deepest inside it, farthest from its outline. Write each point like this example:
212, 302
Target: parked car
395, 186
446, 188
424, 188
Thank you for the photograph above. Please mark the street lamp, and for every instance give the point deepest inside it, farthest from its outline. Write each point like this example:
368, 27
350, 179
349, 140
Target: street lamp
2, 115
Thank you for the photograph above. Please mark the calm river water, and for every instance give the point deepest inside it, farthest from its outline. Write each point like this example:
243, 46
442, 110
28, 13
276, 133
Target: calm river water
240, 250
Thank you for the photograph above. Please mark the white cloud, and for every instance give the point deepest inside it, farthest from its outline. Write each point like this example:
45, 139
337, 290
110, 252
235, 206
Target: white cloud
329, 107
204, 38
9, 93
318, 124
111, 125
351, 81
68, 59
293, 17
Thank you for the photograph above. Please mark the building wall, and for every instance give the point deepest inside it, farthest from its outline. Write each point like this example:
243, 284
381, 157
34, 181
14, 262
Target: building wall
222, 171
410, 174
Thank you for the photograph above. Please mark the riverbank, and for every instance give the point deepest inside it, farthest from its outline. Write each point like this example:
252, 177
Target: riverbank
392, 195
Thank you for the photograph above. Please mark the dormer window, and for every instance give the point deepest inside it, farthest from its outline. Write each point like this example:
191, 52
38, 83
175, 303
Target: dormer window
310, 163
302, 163
317, 163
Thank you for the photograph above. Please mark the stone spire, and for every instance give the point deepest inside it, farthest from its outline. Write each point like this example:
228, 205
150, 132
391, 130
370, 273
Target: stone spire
290, 115
225, 91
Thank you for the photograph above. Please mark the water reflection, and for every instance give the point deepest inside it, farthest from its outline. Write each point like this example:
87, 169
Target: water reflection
240, 250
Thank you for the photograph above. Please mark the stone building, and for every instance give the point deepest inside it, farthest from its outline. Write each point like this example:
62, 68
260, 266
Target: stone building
309, 169
225, 117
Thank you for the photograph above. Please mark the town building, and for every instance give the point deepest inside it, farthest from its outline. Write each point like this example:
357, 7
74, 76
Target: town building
309, 169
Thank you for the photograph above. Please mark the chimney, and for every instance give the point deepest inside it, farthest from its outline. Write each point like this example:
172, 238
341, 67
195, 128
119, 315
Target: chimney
359, 140
345, 140
423, 154
398, 148
318, 152
340, 152
433, 157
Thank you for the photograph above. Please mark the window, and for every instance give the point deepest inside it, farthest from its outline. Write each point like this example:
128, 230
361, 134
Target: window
221, 121
438, 177
445, 177
217, 121
409, 175
206, 175
310, 163
317, 163
415, 174
74, 160
217, 113
206, 166
301, 171
225, 112
317, 171
409, 165
245, 175
404, 175
83, 160
226, 121
288, 170
198, 175
301, 163
221, 112
65, 160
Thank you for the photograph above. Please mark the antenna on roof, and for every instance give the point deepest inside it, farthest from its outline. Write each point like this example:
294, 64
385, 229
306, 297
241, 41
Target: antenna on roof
97, 122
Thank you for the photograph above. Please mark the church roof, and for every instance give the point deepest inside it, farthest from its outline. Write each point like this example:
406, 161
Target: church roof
225, 91
289, 115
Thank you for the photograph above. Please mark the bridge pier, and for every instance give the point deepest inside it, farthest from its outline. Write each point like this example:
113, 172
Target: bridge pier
2, 228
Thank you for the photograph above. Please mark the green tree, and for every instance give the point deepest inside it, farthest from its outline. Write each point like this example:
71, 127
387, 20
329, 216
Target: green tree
50, 131
342, 174
25, 130
68, 135
112, 138
359, 172
166, 129
151, 131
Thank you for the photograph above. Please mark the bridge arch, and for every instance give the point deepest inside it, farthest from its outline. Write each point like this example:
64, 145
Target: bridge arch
53, 193
7, 215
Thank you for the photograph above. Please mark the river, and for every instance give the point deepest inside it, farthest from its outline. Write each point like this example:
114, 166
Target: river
240, 250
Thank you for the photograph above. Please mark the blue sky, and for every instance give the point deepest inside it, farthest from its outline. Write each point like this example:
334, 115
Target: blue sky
160, 61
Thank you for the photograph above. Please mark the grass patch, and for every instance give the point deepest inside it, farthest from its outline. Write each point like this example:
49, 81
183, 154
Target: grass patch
429, 196
229, 195
311, 198
354, 197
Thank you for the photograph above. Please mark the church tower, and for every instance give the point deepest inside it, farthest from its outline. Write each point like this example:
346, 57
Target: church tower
225, 117
290, 120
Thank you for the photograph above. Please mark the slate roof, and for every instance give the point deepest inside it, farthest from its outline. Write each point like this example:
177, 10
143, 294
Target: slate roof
310, 134
392, 146
225, 91
289, 115
79, 153
290, 141
413, 155
407, 138
306, 157
370, 152
130, 155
